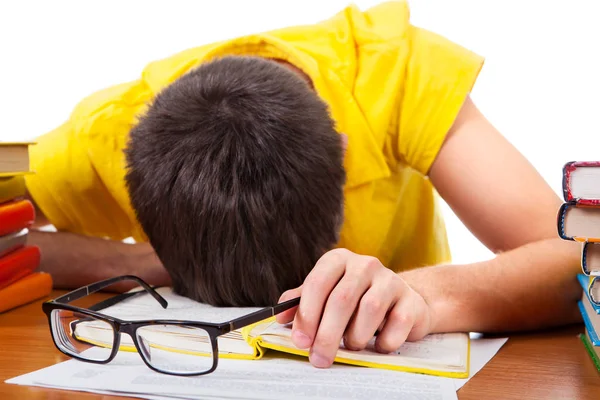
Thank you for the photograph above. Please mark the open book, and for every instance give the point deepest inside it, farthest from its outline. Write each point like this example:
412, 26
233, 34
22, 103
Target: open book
438, 354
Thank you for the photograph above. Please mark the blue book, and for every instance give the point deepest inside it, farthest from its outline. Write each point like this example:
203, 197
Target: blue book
590, 312
587, 249
585, 283
584, 309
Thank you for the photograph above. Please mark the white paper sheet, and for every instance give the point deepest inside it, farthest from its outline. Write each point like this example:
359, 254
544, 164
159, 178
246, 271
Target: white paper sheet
276, 376
109, 392
269, 378
144, 306
482, 351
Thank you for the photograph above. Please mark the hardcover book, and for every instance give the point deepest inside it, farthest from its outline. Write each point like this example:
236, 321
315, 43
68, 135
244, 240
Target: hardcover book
14, 158
438, 354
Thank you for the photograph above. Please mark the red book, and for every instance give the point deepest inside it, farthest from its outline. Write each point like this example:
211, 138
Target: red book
18, 264
15, 216
581, 182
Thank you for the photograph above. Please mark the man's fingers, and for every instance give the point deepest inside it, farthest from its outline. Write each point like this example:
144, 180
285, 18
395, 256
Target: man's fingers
397, 327
315, 291
288, 315
339, 309
371, 311
422, 322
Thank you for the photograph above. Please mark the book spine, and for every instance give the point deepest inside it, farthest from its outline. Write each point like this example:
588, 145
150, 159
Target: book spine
15, 216
560, 221
568, 169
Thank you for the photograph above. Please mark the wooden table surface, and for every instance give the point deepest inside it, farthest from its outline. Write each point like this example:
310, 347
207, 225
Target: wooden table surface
544, 365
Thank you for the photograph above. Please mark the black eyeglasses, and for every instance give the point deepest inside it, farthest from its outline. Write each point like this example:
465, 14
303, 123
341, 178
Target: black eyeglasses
88, 335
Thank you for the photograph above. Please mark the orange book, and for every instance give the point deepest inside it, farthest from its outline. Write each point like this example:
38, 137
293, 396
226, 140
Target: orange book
16, 215
18, 264
26, 290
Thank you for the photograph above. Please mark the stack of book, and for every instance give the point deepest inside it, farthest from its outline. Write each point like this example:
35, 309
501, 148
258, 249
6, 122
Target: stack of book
579, 220
20, 283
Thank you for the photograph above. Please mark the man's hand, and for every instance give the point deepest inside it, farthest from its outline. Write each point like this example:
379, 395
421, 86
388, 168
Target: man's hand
350, 296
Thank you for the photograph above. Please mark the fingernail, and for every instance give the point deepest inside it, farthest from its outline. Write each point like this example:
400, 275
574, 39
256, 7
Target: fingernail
301, 340
319, 361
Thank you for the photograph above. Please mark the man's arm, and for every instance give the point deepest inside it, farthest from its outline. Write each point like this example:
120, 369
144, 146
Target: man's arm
509, 207
533, 286
76, 260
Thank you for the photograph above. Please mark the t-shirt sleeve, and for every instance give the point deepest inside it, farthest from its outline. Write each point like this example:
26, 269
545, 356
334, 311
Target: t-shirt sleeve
62, 172
439, 75
65, 185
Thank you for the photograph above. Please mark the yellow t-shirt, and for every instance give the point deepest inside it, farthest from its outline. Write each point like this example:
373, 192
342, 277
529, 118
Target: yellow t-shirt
392, 88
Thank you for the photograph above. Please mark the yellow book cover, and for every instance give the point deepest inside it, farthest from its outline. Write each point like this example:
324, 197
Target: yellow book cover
439, 354
14, 158
446, 354
11, 188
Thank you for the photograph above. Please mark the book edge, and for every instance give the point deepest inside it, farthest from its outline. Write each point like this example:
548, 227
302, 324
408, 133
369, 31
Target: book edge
426, 371
588, 324
560, 220
17, 173
260, 343
567, 170
583, 282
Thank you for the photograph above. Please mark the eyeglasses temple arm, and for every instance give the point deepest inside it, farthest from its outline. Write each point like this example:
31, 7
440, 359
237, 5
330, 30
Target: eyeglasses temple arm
95, 287
260, 315
111, 301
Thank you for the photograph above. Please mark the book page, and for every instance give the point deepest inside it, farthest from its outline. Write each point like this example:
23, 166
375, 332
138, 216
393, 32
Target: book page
441, 351
592, 258
145, 307
584, 182
582, 222
269, 378
594, 290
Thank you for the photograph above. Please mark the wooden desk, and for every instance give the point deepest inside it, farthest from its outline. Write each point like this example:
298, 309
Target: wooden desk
548, 365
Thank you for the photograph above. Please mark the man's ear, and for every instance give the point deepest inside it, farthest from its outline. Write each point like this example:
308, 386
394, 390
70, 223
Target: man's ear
344, 139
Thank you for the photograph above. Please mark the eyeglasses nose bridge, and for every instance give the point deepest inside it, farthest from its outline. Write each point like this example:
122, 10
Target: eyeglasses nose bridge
129, 330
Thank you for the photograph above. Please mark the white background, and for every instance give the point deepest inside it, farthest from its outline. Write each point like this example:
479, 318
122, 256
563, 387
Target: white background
539, 86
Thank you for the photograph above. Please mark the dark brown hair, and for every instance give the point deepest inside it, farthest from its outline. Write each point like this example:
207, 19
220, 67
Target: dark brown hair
235, 172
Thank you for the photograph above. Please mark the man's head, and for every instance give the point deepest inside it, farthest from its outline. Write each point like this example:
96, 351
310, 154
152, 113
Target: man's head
236, 175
